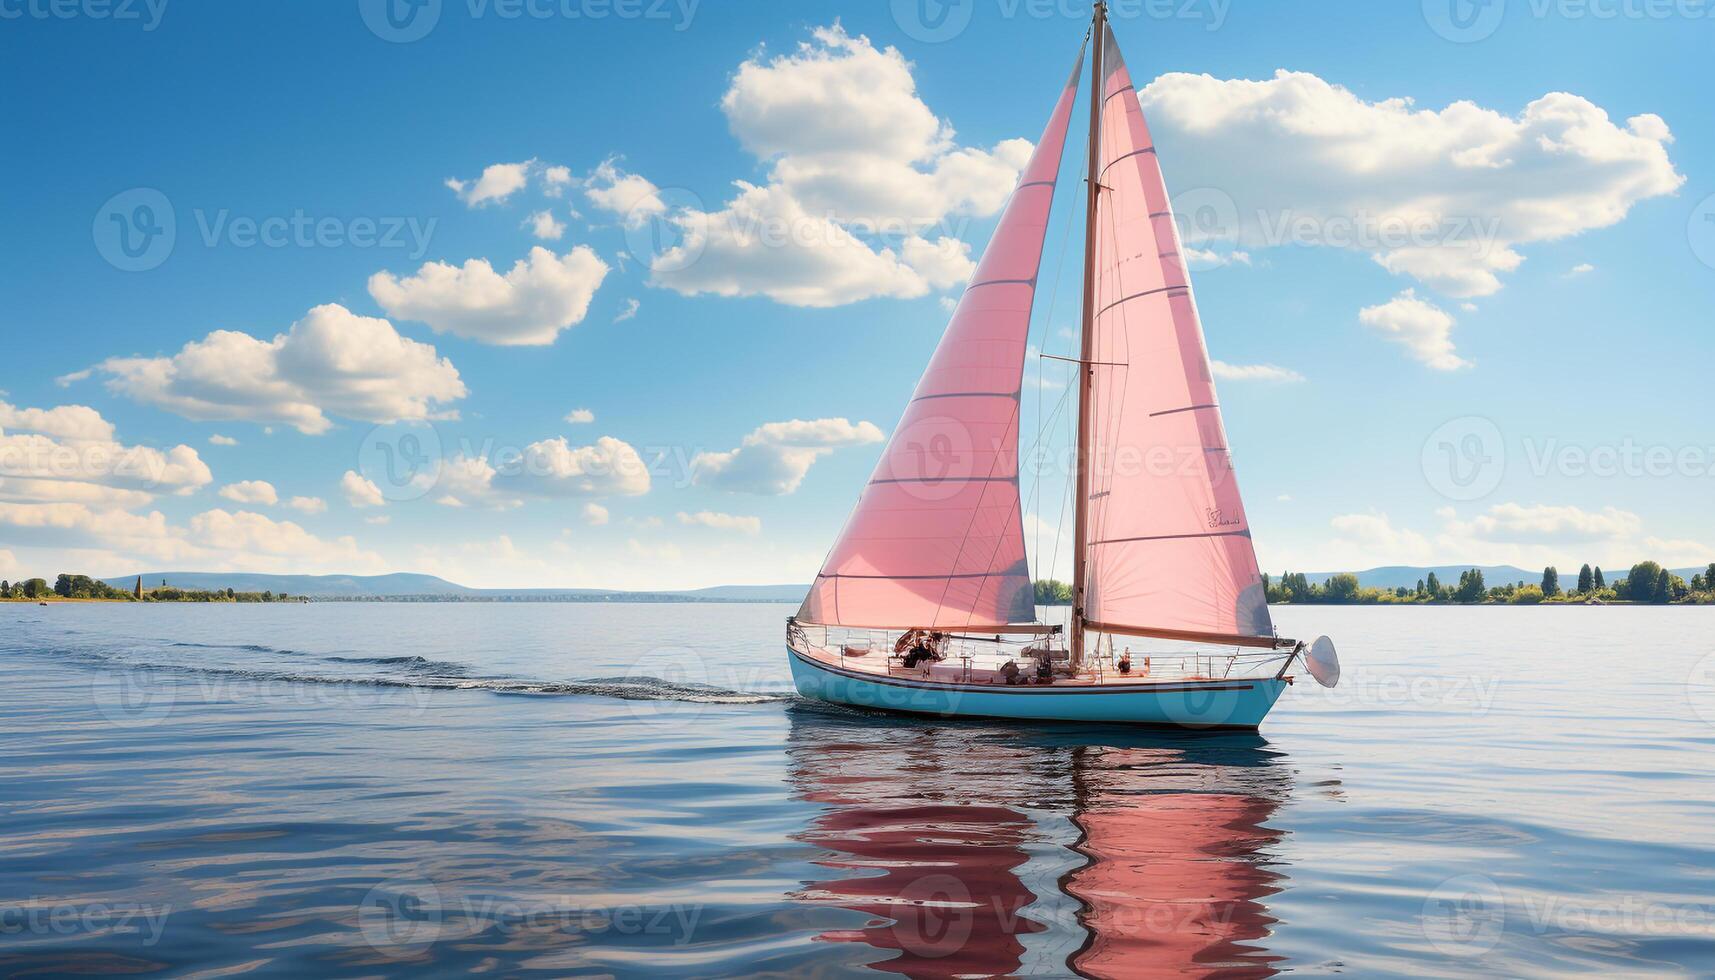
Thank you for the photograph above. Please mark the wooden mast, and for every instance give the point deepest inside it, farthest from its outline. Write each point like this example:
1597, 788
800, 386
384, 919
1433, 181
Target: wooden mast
1086, 369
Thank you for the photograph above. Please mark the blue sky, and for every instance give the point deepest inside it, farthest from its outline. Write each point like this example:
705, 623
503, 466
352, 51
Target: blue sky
1574, 336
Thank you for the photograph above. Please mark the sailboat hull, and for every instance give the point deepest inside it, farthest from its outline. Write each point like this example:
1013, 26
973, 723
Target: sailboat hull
1225, 704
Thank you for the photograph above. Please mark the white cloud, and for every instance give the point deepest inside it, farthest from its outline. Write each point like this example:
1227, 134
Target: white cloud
68, 454
1376, 535
1444, 196
360, 492
595, 515
498, 182
630, 311
1677, 552
849, 135
308, 505
725, 522
258, 538
330, 362
251, 492
219, 440
765, 243
555, 180
580, 416
856, 157
545, 226
1253, 372
664, 552
775, 457
379, 519
631, 197
1539, 522
542, 295
1581, 269
1425, 330
551, 468
72, 423
218, 540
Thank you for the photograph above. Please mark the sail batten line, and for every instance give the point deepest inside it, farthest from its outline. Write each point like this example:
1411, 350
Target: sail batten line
1187, 408
1141, 295
1119, 160
1175, 537
967, 394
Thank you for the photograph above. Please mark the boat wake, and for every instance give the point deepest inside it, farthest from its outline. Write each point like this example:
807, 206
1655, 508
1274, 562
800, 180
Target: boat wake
418, 673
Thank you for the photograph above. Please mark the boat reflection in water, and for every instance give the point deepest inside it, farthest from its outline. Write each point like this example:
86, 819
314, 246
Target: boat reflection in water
986, 850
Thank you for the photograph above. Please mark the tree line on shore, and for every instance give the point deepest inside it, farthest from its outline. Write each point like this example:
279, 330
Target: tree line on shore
1645, 583
84, 587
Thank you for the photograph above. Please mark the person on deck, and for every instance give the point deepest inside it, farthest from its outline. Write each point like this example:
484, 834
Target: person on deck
1125, 661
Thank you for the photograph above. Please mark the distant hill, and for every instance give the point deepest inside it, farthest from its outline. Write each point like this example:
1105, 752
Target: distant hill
1407, 576
400, 583
430, 586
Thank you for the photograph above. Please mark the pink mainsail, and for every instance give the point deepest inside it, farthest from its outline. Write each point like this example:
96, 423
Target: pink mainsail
937, 538
1169, 550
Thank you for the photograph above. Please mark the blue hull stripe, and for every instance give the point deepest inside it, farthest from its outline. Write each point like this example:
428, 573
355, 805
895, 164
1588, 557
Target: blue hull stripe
1214, 704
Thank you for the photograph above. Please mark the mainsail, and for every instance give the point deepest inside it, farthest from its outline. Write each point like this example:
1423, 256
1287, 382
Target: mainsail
1168, 549
937, 537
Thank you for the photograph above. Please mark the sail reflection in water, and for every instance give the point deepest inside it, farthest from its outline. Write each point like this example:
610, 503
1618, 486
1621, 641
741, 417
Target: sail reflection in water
990, 851
1179, 860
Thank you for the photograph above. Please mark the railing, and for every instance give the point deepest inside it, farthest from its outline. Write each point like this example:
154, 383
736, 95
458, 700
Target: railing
972, 654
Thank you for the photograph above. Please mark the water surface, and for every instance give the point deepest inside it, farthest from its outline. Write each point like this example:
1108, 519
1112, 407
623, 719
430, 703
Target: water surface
596, 789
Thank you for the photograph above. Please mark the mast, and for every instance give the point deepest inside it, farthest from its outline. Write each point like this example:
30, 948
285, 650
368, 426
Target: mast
1080, 549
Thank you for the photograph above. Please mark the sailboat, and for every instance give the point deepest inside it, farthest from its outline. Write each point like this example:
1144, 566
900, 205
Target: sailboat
926, 605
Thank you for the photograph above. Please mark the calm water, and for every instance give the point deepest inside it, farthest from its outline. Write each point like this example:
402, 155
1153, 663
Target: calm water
631, 789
